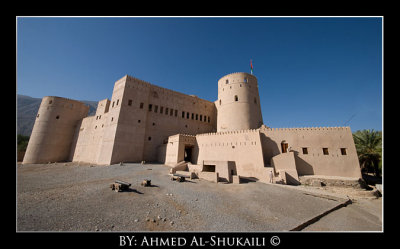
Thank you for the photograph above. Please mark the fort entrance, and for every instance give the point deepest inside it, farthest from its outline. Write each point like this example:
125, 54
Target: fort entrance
188, 153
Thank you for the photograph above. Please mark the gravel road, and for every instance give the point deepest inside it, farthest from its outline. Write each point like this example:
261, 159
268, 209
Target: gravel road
71, 197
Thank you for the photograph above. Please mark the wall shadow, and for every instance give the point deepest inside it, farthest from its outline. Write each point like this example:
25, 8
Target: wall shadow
291, 181
269, 149
302, 167
245, 179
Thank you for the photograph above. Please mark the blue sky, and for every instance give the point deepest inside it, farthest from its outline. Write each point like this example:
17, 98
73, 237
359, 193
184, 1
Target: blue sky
311, 71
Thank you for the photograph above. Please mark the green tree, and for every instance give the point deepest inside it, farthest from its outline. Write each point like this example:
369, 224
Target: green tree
22, 142
369, 149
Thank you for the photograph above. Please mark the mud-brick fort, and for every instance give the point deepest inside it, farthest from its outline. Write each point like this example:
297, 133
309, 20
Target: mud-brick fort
219, 140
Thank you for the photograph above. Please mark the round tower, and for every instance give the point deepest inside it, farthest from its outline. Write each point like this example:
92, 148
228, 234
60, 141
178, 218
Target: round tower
238, 103
54, 130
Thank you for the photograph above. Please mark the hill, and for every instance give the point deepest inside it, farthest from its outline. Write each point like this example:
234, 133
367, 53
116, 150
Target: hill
27, 108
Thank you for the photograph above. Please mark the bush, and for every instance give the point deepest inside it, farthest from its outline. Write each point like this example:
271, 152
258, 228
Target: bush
22, 142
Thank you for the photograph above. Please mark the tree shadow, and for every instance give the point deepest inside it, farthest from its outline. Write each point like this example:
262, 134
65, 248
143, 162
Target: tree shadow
371, 180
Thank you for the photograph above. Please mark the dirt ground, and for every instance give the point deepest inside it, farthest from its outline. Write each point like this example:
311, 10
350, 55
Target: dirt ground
72, 197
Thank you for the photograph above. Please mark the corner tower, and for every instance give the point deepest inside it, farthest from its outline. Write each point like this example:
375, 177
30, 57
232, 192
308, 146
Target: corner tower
54, 130
238, 103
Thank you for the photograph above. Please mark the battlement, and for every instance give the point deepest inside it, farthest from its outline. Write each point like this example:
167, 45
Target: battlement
62, 99
230, 132
251, 75
183, 135
148, 85
306, 128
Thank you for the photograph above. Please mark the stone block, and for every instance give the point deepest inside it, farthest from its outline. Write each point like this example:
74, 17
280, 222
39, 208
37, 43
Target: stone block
236, 179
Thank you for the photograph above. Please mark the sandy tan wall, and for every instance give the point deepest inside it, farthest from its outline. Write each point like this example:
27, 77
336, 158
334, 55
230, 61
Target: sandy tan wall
175, 151
137, 120
54, 130
314, 140
238, 103
149, 114
241, 147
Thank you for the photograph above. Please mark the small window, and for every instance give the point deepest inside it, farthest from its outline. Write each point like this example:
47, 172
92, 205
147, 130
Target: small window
117, 101
343, 151
245, 80
166, 111
139, 121
183, 114
284, 146
171, 112
58, 117
197, 116
37, 116
219, 102
141, 105
97, 117
192, 115
208, 119
150, 107
201, 117
100, 117
176, 113
154, 124
187, 115
227, 81
161, 109
305, 151
113, 104
95, 127
156, 108
325, 151
50, 102
149, 138
130, 102
236, 98
255, 100
112, 119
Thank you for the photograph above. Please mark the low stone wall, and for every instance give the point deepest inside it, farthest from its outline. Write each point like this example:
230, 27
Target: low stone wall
209, 176
331, 181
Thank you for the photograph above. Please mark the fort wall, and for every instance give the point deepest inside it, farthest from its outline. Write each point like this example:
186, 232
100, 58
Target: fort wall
144, 122
54, 128
242, 147
137, 120
326, 151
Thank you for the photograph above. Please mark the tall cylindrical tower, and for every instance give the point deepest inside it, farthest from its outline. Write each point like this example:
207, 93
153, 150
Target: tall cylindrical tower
238, 103
54, 129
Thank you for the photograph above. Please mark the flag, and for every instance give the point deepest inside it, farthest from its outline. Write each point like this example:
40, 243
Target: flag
251, 67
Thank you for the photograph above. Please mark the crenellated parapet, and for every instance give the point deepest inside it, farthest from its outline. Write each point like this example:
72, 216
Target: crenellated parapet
307, 129
252, 131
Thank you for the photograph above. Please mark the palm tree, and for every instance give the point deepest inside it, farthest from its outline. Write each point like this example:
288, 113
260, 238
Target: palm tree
369, 149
